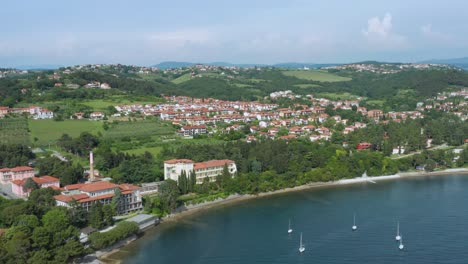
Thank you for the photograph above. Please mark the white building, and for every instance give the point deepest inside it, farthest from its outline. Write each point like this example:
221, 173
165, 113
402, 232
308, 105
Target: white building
211, 169
44, 114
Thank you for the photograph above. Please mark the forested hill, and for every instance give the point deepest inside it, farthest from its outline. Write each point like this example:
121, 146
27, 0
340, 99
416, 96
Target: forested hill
373, 81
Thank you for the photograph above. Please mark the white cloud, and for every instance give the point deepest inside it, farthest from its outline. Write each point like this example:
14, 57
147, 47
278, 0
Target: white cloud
379, 33
428, 32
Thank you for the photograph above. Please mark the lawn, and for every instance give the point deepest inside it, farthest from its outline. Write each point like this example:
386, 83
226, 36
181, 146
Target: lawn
14, 130
315, 75
49, 131
181, 79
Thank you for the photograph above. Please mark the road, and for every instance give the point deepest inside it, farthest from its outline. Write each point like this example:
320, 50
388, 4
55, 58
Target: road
418, 152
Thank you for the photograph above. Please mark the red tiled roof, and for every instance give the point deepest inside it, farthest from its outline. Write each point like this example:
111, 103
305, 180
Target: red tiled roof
129, 187
175, 161
96, 186
21, 168
73, 186
95, 198
69, 198
211, 163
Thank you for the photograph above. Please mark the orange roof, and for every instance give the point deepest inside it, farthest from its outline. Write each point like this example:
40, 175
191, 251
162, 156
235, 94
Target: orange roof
73, 186
95, 198
96, 186
175, 161
129, 187
69, 198
22, 168
211, 163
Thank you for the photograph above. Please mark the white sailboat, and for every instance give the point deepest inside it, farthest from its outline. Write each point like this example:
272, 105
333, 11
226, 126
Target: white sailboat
301, 246
289, 228
401, 246
398, 237
354, 223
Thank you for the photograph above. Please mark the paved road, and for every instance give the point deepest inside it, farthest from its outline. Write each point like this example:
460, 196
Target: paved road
418, 152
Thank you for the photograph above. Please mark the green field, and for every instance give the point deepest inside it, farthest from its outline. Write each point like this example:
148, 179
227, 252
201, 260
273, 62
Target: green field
316, 75
144, 128
241, 85
14, 130
181, 79
49, 131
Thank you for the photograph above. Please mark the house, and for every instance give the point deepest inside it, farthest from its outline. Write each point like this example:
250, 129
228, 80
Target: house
42, 182
190, 131
44, 113
105, 86
375, 114
87, 194
18, 173
96, 115
363, 145
207, 169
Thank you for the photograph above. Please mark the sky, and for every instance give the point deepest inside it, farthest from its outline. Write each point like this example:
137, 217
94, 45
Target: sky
50, 32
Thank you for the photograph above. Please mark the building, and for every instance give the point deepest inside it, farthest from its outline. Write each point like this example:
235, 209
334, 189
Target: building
363, 145
144, 221
8, 175
42, 182
44, 113
207, 169
96, 115
86, 194
190, 131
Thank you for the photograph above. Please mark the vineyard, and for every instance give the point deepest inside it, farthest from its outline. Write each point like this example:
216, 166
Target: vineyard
14, 130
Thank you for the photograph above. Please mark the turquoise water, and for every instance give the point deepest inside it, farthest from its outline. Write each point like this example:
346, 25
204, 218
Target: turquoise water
433, 215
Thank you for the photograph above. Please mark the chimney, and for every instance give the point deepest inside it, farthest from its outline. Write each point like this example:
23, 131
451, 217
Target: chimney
91, 167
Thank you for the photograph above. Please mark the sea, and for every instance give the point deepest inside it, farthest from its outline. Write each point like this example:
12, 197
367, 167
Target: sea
432, 212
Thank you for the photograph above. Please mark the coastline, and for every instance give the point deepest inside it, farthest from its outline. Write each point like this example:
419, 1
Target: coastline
235, 198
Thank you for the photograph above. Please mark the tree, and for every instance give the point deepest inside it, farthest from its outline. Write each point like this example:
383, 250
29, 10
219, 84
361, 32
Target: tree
168, 192
192, 180
108, 213
183, 182
96, 215
30, 185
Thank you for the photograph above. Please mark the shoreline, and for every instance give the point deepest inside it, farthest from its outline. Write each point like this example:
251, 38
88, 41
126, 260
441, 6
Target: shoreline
235, 198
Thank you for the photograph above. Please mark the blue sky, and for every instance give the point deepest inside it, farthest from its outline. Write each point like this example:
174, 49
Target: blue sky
241, 31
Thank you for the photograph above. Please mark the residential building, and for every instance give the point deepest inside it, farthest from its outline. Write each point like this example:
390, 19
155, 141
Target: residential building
189, 131
86, 194
42, 182
44, 113
211, 169
18, 173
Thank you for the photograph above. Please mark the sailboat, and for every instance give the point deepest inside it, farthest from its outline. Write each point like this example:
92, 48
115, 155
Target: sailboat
301, 246
354, 223
401, 246
289, 228
398, 237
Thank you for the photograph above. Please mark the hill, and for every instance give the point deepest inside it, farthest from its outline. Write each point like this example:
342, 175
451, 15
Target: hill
458, 62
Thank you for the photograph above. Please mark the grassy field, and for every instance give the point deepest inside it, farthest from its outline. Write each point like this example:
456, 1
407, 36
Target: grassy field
14, 130
48, 131
182, 78
338, 96
241, 85
144, 128
316, 75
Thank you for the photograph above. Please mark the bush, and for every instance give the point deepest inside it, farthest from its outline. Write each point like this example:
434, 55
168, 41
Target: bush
122, 230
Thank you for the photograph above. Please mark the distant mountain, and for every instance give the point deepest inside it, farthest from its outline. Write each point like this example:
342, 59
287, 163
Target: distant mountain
288, 65
39, 67
457, 62
298, 65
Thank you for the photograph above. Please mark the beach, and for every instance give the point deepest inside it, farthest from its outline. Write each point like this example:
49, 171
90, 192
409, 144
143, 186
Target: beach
236, 198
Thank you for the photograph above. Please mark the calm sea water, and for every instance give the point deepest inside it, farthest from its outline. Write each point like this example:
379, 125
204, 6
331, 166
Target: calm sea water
433, 215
